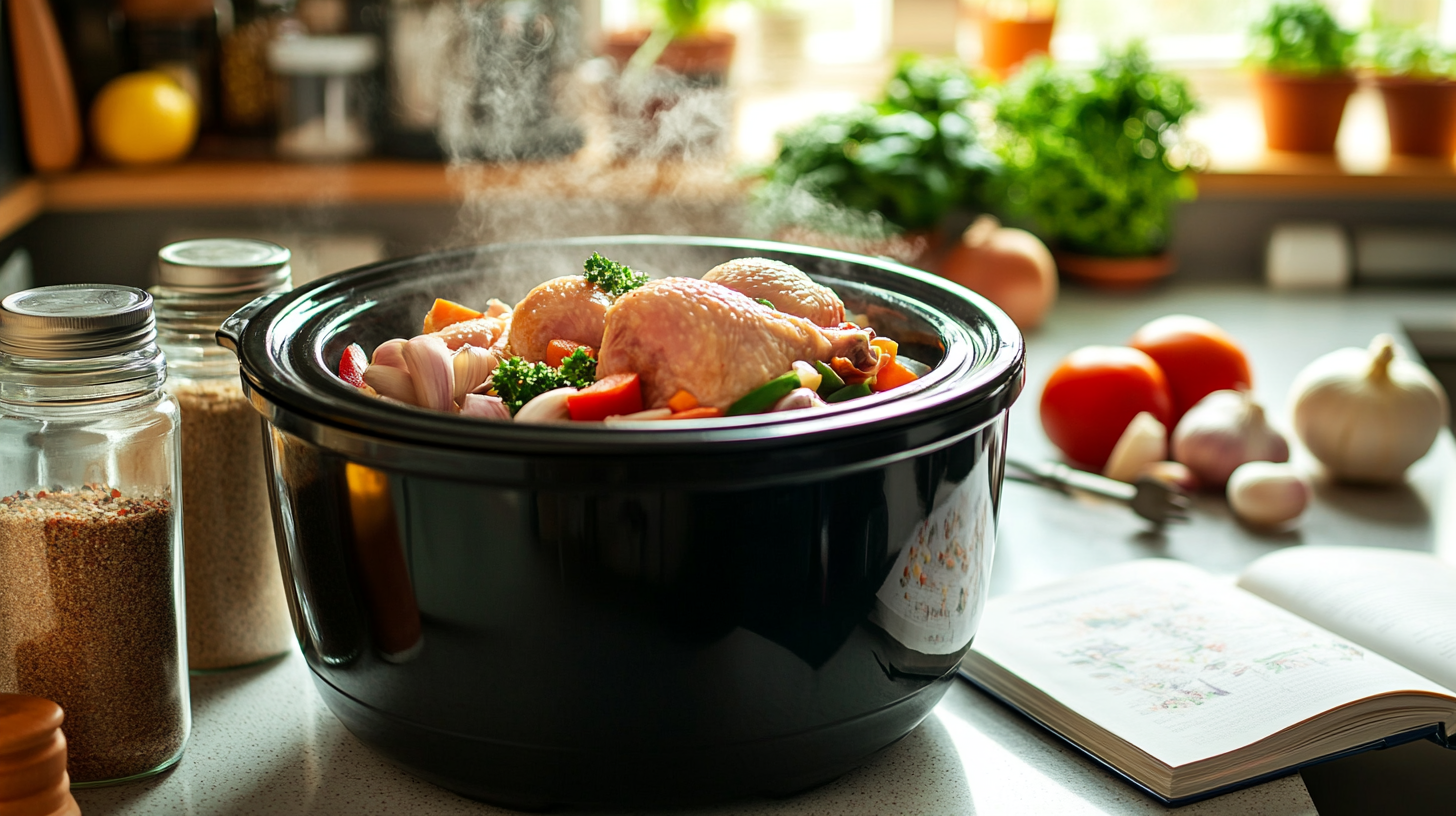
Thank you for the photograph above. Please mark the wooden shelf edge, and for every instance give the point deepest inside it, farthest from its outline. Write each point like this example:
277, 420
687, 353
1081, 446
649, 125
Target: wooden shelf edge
20, 205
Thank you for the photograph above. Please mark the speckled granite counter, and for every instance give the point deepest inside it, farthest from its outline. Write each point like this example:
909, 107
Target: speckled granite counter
263, 741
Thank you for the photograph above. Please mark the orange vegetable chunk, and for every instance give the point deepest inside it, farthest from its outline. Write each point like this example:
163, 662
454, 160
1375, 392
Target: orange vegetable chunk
448, 313
682, 401
558, 350
705, 412
893, 375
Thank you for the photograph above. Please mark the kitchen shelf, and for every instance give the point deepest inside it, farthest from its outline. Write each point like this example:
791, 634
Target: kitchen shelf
260, 183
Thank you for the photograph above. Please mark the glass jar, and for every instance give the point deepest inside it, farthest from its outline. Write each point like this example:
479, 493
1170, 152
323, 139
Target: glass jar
323, 95
247, 95
237, 614
91, 587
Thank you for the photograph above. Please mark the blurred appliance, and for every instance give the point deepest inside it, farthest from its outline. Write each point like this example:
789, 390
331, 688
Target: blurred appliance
1387, 254
1312, 255
477, 81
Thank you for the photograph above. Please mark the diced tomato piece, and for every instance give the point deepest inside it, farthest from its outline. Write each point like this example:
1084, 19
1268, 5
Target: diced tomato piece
352, 365
893, 375
705, 412
558, 350
609, 396
682, 401
448, 313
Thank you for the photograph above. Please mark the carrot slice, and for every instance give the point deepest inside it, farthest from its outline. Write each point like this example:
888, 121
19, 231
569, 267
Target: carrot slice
558, 350
609, 396
886, 346
704, 412
893, 375
682, 401
448, 313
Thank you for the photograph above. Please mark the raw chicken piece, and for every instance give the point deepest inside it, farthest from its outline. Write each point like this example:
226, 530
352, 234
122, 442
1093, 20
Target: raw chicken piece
480, 332
788, 289
568, 308
683, 333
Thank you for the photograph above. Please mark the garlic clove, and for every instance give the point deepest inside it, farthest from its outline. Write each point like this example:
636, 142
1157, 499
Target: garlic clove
1176, 474
433, 372
547, 407
390, 353
391, 382
484, 407
1368, 414
1267, 494
472, 366
1224, 430
1144, 442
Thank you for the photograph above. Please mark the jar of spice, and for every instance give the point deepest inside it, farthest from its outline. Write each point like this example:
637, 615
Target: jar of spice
237, 614
91, 528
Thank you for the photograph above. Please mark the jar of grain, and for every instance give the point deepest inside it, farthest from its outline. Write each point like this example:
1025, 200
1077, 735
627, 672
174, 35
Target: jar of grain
90, 527
237, 614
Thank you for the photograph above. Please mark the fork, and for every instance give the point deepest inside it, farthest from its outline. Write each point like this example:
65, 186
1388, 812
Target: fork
1155, 500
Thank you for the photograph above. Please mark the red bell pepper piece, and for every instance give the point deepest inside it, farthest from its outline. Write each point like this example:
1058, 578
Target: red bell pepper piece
352, 365
609, 396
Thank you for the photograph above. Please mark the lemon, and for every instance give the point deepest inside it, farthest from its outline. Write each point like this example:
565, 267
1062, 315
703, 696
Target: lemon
143, 118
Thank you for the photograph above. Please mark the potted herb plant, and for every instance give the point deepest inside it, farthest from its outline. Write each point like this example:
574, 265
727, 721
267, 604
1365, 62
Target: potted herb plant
1414, 76
681, 40
1303, 78
879, 179
1095, 161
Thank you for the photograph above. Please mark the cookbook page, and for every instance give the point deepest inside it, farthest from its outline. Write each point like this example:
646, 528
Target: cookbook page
1177, 662
1397, 602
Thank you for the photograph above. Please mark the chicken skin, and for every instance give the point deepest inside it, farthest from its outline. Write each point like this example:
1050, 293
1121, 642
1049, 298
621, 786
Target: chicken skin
715, 343
566, 308
788, 289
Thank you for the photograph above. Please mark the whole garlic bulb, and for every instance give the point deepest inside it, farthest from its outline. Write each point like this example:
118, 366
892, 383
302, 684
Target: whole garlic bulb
1367, 414
1224, 430
1267, 494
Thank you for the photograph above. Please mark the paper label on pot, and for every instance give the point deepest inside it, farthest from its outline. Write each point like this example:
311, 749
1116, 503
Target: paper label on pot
933, 599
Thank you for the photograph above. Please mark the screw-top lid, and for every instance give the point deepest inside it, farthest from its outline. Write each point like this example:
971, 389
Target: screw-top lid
76, 321
220, 266
336, 55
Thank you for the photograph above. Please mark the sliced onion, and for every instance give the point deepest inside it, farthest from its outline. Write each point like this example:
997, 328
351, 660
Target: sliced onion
547, 407
797, 399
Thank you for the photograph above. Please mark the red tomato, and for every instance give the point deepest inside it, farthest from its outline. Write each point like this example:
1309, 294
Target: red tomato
1094, 393
352, 365
1196, 356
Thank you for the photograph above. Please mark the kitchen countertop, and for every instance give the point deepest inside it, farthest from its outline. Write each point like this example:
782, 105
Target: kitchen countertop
263, 741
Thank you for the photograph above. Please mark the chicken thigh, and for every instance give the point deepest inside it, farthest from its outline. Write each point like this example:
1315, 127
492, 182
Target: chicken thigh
568, 308
715, 343
788, 289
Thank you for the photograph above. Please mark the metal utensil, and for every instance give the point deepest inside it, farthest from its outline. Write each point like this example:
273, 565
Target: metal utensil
1154, 500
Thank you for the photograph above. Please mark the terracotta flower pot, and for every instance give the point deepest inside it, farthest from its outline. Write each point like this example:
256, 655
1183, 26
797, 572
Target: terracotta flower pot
1116, 273
708, 54
1302, 113
1005, 44
1421, 115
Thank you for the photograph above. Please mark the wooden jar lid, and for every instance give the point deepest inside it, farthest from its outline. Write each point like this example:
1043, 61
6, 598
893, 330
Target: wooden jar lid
33, 778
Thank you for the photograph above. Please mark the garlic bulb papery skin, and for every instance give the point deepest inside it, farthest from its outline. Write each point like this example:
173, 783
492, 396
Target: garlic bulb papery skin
472, 367
1224, 430
1267, 494
1144, 442
1367, 414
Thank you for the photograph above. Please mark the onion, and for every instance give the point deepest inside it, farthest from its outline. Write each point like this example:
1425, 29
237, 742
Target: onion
547, 407
1011, 267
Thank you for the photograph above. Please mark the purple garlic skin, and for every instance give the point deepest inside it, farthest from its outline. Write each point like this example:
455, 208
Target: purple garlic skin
433, 372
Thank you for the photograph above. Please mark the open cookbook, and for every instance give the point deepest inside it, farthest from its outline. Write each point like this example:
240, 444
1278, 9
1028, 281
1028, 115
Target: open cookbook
1188, 686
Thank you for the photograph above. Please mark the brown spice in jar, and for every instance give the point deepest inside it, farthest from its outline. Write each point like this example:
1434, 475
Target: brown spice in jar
236, 610
88, 619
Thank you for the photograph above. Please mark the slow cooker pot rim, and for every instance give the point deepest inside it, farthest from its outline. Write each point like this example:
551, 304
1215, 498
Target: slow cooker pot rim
989, 381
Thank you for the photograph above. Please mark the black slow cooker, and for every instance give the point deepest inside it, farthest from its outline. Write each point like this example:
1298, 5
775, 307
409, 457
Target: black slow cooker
540, 615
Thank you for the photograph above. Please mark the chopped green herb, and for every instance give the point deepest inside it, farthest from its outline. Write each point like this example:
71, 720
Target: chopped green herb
579, 368
766, 302
517, 382
611, 277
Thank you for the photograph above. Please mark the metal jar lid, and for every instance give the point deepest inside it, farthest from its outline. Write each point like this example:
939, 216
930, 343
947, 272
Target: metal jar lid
222, 266
76, 321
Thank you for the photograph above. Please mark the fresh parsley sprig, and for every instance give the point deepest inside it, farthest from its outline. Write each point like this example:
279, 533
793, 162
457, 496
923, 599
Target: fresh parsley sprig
517, 382
611, 277
579, 368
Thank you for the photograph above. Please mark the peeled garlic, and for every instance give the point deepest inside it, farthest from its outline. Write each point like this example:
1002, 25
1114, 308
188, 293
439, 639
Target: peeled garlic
1224, 430
472, 366
1267, 494
432, 371
1143, 442
1367, 414
391, 382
